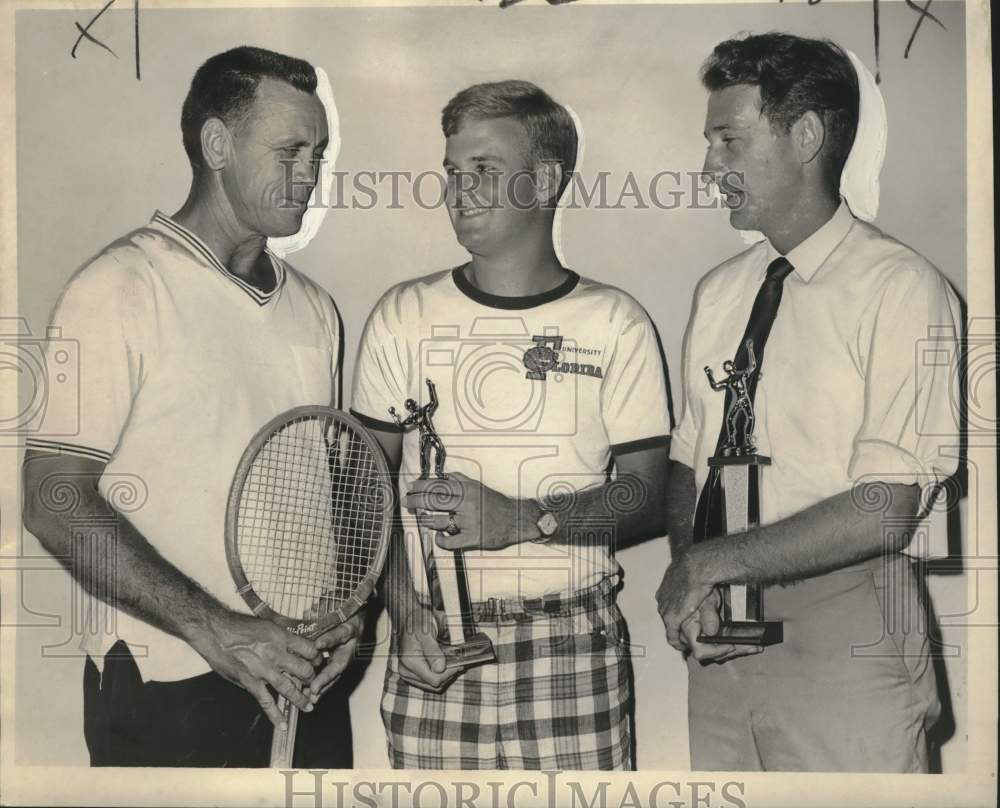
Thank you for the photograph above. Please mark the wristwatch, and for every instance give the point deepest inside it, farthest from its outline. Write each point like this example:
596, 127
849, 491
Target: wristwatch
547, 524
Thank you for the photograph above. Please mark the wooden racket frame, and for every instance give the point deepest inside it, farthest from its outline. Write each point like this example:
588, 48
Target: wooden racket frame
283, 742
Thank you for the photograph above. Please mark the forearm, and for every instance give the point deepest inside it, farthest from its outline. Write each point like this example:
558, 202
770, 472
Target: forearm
631, 508
128, 572
681, 501
830, 535
468, 515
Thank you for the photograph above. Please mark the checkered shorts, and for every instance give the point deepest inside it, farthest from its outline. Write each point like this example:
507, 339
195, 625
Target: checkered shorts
558, 697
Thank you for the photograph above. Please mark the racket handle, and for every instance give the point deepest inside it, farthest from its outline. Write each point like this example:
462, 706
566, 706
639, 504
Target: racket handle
283, 741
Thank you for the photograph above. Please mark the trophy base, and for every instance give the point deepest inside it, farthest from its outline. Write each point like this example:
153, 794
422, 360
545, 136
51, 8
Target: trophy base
476, 650
746, 633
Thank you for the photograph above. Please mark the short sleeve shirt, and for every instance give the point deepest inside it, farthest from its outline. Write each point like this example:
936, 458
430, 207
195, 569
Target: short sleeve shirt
179, 364
856, 384
534, 395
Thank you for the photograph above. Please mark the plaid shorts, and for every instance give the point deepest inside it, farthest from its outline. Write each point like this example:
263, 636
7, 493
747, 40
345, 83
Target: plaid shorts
558, 697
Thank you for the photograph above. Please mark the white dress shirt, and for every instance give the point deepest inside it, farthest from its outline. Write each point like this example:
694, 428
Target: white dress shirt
852, 387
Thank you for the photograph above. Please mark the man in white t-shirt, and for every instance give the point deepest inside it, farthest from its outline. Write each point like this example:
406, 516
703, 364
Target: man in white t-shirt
544, 380
192, 336
853, 419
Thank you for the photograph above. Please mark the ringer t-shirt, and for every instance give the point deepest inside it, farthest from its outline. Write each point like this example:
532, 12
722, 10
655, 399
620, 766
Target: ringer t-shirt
535, 395
181, 362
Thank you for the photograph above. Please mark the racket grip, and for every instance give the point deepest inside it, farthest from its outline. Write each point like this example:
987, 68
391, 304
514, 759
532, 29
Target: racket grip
283, 741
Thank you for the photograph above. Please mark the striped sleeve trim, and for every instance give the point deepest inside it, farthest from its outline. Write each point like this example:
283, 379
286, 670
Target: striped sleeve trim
60, 447
375, 423
640, 445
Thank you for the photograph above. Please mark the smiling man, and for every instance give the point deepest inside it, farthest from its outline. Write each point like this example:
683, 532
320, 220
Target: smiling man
544, 380
192, 336
847, 415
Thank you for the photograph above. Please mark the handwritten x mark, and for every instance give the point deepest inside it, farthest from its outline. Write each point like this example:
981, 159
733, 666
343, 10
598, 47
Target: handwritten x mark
85, 32
924, 15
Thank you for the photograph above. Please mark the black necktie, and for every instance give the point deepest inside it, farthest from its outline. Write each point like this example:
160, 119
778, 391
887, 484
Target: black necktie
708, 520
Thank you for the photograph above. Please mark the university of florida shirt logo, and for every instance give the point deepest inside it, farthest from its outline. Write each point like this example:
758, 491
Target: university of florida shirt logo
545, 358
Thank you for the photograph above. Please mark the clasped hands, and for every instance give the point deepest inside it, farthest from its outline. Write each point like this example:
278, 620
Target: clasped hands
255, 653
689, 603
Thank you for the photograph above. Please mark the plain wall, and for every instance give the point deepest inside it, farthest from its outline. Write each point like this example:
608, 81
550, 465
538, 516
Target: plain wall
98, 152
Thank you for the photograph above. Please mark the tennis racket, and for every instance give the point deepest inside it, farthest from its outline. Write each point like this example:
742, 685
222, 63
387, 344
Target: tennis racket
307, 528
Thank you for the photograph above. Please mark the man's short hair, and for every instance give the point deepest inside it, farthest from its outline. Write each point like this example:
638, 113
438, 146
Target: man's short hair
795, 75
226, 85
551, 131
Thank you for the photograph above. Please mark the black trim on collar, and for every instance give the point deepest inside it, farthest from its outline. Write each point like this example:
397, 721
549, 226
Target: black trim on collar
501, 302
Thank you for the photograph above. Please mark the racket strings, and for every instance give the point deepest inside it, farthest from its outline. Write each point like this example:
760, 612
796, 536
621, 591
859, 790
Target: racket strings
310, 517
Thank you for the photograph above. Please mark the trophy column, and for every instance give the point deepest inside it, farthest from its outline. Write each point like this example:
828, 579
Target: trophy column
742, 609
461, 644
447, 582
733, 497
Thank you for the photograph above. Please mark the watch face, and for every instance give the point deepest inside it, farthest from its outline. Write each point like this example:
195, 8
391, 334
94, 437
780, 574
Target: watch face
548, 524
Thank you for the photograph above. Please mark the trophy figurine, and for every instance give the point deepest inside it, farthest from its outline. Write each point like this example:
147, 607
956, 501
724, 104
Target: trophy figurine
740, 467
461, 644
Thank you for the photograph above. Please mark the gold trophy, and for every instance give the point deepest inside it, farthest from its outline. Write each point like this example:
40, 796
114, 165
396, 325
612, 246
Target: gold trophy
461, 644
740, 467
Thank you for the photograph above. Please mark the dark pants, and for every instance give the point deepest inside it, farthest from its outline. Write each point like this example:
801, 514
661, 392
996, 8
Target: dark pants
201, 721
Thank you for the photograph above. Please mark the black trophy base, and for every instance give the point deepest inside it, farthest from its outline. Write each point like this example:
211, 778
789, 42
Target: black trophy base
746, 633
476, 650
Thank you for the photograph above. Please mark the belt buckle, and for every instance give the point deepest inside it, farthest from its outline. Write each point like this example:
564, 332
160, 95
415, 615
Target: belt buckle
552, 606
495, 607
487, 609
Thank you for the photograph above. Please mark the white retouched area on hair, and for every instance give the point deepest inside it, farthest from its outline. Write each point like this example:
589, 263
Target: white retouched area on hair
859, 181
314, 215
561, 204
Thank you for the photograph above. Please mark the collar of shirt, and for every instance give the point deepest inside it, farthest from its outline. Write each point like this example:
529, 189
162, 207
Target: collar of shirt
201, 249
812, 253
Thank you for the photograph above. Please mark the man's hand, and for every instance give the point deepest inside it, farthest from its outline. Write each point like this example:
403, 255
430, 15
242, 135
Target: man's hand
255, 653
485, 519
344, 641
706, 621
679, 598
421, 662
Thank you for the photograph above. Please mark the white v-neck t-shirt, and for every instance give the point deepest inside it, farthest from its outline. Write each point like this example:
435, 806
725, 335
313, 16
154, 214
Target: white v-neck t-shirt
180, 364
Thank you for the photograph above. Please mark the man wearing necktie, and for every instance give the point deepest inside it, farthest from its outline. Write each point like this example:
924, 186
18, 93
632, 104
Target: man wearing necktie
832, 310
